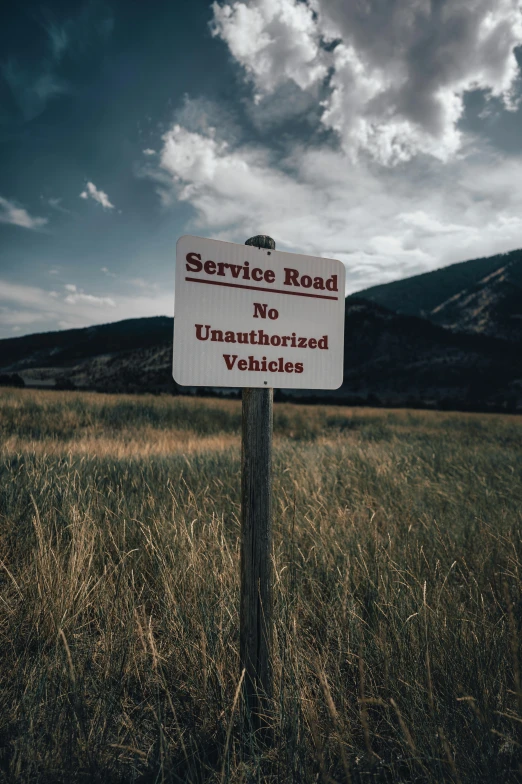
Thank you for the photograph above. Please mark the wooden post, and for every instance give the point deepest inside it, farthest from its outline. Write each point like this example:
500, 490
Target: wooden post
255, 643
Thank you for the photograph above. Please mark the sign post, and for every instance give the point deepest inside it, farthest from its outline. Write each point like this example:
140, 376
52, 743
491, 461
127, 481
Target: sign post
251, 317
255, 618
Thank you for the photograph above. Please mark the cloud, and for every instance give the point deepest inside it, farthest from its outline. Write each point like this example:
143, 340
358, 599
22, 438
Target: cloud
28, 296
212, 118
383, 223
101, 197
18, 216
148, 151
140, 283
394, 74
77, 295
364, 155
74, 299
32, 88
56, 204
274, 40
36, 80
15, 319
224, 185
32, 307
91, 25
287, 104
59, 40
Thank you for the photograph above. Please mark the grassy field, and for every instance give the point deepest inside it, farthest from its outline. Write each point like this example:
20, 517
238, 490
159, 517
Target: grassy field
397, 566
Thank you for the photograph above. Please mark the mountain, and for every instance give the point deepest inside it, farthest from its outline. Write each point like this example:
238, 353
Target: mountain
493, 306
400, 359
48, 349
481, 296
134, 355
389, 359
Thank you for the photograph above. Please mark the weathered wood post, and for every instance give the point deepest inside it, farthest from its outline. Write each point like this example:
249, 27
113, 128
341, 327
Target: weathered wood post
255, 634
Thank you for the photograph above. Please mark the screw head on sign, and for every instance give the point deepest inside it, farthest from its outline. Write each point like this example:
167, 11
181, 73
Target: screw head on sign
261, 241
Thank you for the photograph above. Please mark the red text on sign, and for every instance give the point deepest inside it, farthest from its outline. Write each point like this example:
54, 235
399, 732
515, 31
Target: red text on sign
194, 264
262, 365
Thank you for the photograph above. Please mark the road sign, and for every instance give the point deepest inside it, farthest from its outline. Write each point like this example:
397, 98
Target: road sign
252, 317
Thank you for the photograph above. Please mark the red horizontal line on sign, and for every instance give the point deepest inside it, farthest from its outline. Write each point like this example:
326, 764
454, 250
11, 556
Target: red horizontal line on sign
258, 288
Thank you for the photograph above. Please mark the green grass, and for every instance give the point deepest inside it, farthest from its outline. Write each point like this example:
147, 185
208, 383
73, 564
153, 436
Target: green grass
398, 611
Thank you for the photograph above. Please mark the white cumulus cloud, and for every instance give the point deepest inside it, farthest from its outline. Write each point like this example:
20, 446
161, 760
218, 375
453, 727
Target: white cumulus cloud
33, 309
227, 186
92, 192
381, 170
394, 74
18, 216
78, 296
274, 40
74, 299
383, 223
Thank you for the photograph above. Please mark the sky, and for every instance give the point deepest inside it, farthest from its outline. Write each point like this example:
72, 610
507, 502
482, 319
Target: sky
384, 133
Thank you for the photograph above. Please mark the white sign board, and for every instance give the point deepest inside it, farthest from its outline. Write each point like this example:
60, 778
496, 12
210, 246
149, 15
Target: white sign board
251, 317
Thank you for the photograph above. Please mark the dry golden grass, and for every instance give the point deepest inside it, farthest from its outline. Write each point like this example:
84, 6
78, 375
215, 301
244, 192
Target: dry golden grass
397, 576
125, 445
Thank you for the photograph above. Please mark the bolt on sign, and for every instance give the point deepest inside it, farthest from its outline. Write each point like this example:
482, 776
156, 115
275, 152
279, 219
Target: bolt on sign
252, 317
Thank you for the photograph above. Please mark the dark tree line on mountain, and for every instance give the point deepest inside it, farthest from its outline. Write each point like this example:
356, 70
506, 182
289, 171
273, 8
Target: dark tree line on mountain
11, 380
